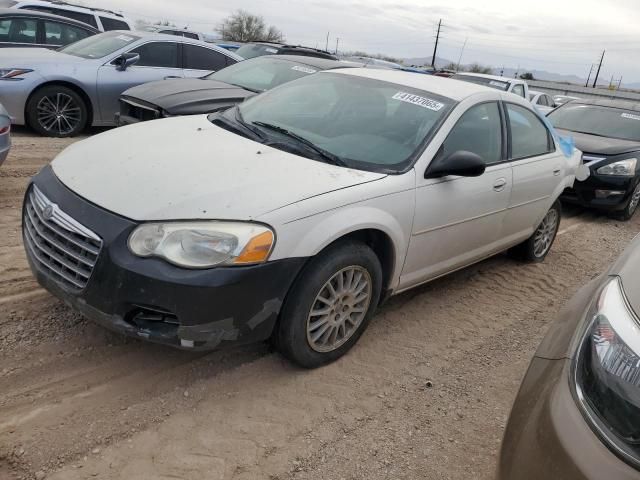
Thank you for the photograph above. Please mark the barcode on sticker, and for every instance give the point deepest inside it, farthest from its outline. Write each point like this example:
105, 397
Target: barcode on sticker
124, 38
631, 116
303, 69
271, 50
418, 100
497, 84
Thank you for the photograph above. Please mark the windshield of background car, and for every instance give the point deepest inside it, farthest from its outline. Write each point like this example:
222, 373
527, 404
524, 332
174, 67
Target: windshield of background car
262, 73
487, 82
100, 45
369, 124
598, 120
251, 51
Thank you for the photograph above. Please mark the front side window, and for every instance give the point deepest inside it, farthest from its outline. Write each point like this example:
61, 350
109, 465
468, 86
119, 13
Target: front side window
529, 136
158, 54
62, 34
112, 24
101, 45
200, 58
18, 30
260, 74
368, 124
479, 131
518, 90
598, 120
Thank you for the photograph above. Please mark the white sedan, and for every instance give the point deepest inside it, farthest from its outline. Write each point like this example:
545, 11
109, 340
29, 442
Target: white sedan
543, 102
294, 215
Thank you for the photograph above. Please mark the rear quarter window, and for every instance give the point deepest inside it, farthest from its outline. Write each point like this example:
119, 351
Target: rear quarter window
112, 24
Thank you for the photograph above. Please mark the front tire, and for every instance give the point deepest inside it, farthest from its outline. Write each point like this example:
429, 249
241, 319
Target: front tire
631, 207
537, 246
57, 111
330, 305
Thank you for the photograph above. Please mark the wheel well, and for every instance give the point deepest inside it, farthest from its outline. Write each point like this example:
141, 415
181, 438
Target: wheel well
382, 246
71, 86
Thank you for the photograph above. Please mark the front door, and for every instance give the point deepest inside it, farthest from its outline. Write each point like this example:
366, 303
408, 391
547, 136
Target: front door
458, 220
158, 60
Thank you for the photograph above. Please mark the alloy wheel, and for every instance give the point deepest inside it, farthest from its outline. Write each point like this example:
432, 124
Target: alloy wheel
59, 113
339, 309
546, 232
635, 200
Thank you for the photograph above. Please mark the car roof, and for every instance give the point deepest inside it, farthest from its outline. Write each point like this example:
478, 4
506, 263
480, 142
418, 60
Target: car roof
453, 89
491, 77
606, 102
73, 6
13, 12
316, 62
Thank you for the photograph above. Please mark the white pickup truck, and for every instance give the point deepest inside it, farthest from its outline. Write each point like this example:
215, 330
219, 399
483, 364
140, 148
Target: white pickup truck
513, 85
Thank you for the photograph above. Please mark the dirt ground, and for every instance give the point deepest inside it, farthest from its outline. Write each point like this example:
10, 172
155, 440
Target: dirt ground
425, 394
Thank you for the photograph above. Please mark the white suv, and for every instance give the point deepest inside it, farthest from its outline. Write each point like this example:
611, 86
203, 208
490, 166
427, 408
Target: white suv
103, 20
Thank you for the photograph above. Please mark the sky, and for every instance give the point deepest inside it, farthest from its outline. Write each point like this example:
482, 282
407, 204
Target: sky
560, 36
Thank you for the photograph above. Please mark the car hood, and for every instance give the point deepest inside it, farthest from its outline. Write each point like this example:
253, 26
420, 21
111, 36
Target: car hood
29, 57
601, 145
188, 168
627, 267
188, 96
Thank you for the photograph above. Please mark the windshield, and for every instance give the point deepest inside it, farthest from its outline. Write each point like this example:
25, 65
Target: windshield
368, 124
487, 82
100, 45
598, 120
262, 74
252, 50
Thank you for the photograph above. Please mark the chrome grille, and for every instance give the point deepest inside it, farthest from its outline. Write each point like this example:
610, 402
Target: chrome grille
63, 248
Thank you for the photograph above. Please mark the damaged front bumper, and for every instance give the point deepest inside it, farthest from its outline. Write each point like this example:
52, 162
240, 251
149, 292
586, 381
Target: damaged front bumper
150, 299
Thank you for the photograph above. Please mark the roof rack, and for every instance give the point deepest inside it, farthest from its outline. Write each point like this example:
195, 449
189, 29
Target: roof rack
94, 9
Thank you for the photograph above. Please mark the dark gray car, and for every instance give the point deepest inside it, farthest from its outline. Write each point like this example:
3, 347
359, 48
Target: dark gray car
219, 90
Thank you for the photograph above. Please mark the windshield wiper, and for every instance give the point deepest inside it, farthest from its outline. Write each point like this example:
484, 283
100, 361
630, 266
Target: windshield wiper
254, 90
256, 132
237, 126
326, 155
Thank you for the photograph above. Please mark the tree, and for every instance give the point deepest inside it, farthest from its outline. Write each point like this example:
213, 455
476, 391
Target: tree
242, 26
527, 76
477, 68
450, 66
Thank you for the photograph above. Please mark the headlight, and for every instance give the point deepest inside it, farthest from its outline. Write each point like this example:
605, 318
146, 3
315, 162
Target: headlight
203, 244
626, 168
8, 73
607, 372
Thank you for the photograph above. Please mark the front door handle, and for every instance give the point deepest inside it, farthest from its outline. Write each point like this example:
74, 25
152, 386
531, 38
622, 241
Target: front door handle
500, 184
556, 172
169, 77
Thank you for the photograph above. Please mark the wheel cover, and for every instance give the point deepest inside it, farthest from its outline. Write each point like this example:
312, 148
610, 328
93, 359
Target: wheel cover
546, 232
635, 200
59, 113
339, 309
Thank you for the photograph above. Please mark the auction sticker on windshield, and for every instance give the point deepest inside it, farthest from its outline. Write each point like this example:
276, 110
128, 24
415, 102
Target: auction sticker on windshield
631, 116
418, 100
303, 69
124, 38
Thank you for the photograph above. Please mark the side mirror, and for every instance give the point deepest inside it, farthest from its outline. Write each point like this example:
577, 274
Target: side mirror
460, 163
125, 60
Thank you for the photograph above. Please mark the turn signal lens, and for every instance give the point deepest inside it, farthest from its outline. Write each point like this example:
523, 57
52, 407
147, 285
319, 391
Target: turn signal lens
257, 250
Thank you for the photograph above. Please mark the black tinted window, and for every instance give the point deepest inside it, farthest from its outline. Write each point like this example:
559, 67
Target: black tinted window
529, 136
18, 30
200, 58
82, 17
113, 24
158, 54
518, 90
62, 34
479, 130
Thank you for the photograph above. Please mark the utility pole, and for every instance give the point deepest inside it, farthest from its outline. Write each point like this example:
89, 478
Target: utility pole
326, 47
435, 48
461, 52
620, 82
337, 42
589, 76
611, 82
517, 71
502, 71
595, 81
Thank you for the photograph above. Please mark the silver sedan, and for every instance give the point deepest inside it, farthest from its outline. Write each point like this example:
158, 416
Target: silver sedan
5, 134
59, 93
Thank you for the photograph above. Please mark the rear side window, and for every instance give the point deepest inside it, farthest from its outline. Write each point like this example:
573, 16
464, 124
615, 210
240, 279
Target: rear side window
82, 17
479, 130
62, 34
200, 58
112, 24
518, 90
529, 136
158, 54
18, 30
542, 100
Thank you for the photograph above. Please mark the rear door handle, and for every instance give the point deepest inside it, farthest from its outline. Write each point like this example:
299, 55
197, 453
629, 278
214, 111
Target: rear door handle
169, 77
500, 184
556, 172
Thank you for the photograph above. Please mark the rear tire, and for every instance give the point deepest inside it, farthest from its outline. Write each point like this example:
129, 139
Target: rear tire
537, 246
330, 305
57, 111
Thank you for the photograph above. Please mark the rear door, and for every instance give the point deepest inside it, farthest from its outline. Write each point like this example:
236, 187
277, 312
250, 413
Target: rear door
538, 170
158, 60
199, 61
458, 220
